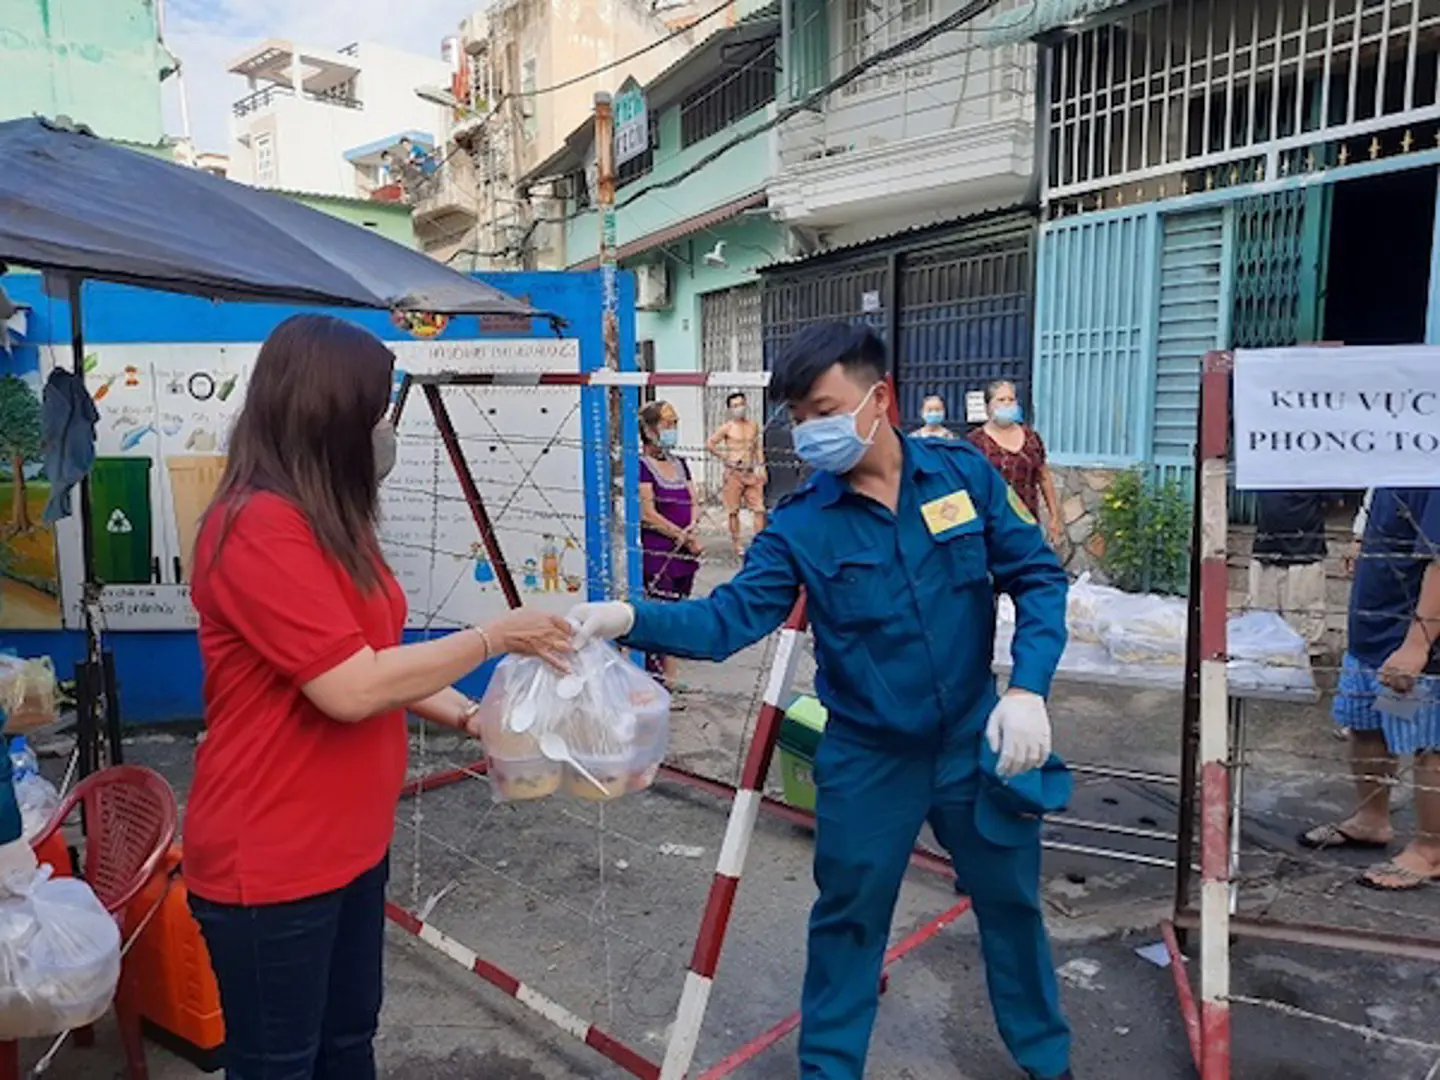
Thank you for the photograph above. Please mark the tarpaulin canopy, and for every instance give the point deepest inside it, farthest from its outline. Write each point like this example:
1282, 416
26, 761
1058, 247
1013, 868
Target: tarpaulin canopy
1008, 26
75, 204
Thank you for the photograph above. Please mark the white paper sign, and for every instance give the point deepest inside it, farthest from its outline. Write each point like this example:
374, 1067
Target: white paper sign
1337, 419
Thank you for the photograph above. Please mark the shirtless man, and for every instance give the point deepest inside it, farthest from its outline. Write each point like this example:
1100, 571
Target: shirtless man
737, 443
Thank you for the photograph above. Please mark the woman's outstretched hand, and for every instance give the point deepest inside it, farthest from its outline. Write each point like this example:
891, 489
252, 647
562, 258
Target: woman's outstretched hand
533, 633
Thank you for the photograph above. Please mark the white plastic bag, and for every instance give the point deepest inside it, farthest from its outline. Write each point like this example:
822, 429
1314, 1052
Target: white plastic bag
1266, 639
1144, 629
38, 801
1085, 607
59, 958
599, 731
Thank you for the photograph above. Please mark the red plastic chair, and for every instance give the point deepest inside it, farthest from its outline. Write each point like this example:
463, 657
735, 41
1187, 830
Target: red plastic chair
130, 822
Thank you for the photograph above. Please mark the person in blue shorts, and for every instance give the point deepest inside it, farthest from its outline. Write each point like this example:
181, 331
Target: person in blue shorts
900, 546
1389, 693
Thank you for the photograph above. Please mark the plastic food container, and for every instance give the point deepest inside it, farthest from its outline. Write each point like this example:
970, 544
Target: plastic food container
531, 778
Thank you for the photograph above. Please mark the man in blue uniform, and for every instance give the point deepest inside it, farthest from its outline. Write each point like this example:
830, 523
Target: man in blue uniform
900, 545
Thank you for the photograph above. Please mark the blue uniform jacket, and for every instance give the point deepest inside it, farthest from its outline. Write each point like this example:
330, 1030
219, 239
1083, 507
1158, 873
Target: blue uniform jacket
902, 605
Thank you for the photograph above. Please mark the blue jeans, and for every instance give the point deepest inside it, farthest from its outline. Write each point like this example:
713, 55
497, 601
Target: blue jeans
300, 982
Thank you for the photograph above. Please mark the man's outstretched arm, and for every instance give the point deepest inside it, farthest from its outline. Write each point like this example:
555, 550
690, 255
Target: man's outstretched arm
736, 614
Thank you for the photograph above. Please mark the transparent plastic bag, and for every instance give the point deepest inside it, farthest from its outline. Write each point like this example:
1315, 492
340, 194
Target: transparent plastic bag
38, 801
59, 958
1085, 608
27, 693
1265, 639
597, 732
1144, 629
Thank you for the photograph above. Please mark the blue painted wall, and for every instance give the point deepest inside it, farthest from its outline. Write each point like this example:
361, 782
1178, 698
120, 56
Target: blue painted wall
159, 672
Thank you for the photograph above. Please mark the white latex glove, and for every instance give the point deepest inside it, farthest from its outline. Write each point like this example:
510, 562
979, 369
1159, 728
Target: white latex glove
17, 865
1019, 731
603, 622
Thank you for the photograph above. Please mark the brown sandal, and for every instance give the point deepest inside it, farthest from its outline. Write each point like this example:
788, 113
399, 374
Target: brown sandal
1405, 878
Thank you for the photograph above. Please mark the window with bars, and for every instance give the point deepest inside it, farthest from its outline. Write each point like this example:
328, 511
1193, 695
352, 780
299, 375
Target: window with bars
640, 164
734, 94
1193, 83
869, 26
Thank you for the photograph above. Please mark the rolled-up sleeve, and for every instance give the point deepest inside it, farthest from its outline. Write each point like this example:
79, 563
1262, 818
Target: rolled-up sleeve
736, 614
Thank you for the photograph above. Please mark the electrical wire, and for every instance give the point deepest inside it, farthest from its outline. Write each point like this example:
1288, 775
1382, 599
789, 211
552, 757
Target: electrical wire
680, 32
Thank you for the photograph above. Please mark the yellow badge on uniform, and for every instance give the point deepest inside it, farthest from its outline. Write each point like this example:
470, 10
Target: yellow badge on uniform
948, 512
1021, 510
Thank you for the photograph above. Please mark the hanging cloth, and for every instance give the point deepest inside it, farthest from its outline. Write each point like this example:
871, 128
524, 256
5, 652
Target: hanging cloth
67, 429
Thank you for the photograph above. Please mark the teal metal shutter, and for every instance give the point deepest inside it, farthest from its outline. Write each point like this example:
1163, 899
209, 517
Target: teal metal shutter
1095, 337
1194, 318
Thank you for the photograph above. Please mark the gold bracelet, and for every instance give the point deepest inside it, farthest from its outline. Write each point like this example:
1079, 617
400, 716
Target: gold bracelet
485, 637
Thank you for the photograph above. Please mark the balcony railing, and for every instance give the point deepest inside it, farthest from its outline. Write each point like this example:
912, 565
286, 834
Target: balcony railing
264, 98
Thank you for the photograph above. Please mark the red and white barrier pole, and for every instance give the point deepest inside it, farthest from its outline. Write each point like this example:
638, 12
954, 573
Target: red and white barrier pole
1214, 723
744, 811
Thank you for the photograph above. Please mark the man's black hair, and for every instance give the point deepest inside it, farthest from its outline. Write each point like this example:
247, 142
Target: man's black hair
730, 398
816, 349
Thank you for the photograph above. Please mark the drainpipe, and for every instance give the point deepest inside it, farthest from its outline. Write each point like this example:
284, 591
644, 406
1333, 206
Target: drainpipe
786, 68
1041, 156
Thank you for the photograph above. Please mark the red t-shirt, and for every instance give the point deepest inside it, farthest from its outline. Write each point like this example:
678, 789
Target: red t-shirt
286, 802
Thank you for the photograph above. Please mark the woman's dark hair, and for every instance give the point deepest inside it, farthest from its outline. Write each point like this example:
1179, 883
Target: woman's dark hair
319, 386
650, 417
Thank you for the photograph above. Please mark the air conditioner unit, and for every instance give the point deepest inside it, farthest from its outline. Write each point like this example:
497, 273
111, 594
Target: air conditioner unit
652, 286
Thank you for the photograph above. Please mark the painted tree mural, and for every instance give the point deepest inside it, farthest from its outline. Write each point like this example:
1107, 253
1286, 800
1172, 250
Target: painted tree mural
19, 442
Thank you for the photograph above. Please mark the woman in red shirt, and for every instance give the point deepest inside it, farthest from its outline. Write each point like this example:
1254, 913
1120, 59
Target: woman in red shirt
1018, 453
293, 804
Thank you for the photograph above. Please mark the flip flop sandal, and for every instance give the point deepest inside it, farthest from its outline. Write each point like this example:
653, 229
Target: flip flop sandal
1331, 837
1406, 878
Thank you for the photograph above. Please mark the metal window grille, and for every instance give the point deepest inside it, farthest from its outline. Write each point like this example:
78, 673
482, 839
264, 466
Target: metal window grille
867, 27
1190, 84
730, 96
964, 320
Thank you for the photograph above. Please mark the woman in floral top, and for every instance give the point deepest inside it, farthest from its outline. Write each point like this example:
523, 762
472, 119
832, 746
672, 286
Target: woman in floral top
1018, 453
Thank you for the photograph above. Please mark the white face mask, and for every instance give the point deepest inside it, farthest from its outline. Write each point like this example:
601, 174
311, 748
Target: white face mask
737, 412
382, 437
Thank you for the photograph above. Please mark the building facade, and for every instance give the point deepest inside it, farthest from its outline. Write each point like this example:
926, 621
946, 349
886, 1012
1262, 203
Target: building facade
695, 232
907, 193
323, 121
525, 76
1225, 173
99, 62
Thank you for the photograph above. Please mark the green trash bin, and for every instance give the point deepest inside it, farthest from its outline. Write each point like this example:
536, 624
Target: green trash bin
800, 731
120, 529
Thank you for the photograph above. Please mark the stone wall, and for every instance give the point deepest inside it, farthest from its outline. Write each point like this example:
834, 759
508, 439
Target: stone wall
1080, 492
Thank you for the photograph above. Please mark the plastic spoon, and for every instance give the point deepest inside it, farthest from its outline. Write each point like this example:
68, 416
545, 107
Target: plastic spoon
554, 748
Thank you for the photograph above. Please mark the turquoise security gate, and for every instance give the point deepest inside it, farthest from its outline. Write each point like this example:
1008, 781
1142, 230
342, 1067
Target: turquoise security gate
1194, 317
1279, 268
1095, 341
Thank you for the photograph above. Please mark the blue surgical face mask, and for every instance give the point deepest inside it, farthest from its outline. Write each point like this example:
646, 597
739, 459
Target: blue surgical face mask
1009, 414
668, 438
933, 417
833, 444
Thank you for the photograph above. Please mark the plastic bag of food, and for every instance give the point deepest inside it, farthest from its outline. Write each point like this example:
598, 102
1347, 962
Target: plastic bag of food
1266, 639
59, 957
1144, 629
1085, 607
597, 732
38, 802
27, 693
